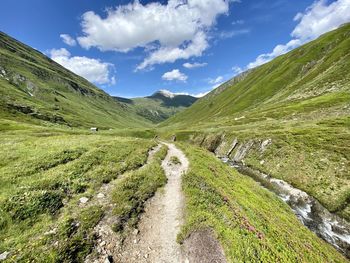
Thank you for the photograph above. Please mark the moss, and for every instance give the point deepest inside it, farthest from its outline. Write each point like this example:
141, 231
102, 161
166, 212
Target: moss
175, 160
29, 205
239, 212
135, 189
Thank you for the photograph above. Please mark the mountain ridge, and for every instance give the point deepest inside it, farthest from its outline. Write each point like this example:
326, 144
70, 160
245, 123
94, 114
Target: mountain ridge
316, 69
37, 89
159, 106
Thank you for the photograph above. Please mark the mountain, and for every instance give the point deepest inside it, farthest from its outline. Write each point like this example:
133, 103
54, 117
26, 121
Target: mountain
36, 89
289, 118
159, 106
312, 78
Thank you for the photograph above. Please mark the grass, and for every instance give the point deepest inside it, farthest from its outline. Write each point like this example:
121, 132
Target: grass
37, 90
311, 78
252, 224
311, 156
299, 100
135, 189
175, 160
157, 108
43, 175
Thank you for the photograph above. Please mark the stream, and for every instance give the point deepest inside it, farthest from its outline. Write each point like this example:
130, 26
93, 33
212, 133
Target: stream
309, 211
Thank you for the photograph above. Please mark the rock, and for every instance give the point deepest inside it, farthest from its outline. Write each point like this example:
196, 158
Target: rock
108, 259
233, 145
83, 200
136, 231
219, 151
239, 118
100, 195
146, 256
242, 151
103, 243
51, 232
4, 255
264, 144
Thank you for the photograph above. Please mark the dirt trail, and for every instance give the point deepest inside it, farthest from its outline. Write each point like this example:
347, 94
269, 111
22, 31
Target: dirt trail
108, 243
155, 239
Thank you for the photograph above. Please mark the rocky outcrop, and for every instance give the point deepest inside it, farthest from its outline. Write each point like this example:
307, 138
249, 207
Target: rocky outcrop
34, 113
242, 151
232, 147
226, 146
264, 144
220, 149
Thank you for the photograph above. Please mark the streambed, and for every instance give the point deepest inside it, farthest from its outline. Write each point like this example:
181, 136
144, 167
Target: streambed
309, 211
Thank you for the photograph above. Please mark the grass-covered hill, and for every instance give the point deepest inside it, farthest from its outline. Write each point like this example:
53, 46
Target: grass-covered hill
159, 106
58, 185
300, 104
36, 89
312, 81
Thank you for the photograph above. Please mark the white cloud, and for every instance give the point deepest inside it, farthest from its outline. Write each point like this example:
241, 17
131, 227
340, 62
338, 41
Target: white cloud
67, 39
179, 28
92, 69
175, 74
317, 19
277, 51
194, 65
170, 54
173, 94
202, 94
320, 18
233, 33
217, 80
237, 70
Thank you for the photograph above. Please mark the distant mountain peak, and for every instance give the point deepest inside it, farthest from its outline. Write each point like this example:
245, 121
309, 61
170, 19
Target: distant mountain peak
165, 93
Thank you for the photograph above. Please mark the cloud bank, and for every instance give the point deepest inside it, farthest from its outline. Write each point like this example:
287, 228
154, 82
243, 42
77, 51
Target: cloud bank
67, 39
175, 74
317, 19
176, 30
92, 69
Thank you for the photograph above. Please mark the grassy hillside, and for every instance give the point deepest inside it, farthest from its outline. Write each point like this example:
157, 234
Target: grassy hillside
310, 82
252, 224
36, 89
44, 173
159, 106
301, 103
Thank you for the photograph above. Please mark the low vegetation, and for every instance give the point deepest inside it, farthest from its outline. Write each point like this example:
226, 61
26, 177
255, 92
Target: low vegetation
252, 224
311, 156
43, 176
175, 160
135, 188
35, 89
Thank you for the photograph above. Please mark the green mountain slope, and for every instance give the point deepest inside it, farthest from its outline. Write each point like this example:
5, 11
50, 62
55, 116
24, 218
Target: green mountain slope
34, 89
159, 106
299, 105
314, 77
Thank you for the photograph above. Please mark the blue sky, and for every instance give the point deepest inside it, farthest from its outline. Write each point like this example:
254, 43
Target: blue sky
135, 48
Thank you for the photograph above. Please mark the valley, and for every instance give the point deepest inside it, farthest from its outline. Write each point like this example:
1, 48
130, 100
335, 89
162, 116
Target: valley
150, 186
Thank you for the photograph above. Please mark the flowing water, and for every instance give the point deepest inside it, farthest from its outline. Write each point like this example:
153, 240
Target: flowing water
309, 211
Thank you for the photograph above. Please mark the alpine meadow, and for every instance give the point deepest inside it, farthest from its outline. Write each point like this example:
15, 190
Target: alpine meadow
246, 159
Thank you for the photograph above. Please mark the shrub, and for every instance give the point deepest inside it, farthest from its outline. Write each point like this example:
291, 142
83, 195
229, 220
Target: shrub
31, 204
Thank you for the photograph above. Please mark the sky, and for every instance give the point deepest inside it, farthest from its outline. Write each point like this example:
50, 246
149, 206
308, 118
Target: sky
134, 48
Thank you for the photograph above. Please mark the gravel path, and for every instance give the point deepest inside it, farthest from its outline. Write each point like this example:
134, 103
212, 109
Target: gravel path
155, 239
108, 242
